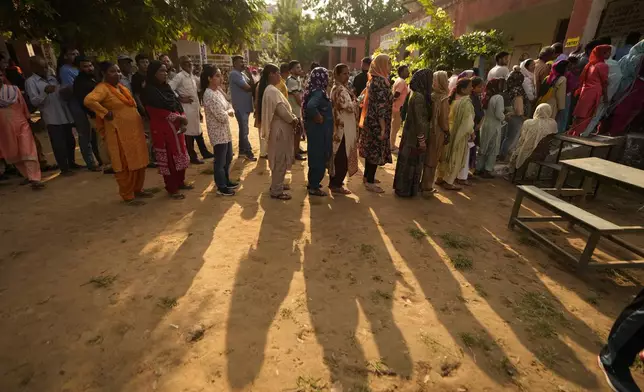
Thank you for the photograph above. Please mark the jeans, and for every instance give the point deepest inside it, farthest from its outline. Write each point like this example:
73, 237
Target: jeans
223, 157
244, 144
63, 144
370, 172
626, 337
84, 131
190, 146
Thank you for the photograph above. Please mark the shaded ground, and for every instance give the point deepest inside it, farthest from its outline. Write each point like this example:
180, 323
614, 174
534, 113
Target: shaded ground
356, 293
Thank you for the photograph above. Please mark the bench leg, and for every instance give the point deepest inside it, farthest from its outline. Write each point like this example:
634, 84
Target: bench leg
589, 249
515, 209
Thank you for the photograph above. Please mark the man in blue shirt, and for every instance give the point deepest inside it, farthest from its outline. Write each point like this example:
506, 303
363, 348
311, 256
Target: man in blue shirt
44, 93
67, 74
241, 93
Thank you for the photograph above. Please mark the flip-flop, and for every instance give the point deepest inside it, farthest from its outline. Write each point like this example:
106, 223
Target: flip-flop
341, 191
282, 196
178, 196
451, 187
317, 192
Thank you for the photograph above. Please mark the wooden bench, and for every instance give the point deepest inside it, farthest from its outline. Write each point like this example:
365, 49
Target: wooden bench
596, 226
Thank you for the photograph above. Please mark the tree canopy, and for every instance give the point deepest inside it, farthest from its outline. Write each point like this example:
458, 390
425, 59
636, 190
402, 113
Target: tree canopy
357, 16
108, 25
434, 43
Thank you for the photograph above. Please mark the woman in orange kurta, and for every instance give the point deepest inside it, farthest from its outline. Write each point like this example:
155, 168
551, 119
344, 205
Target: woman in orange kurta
118, 120
17, 145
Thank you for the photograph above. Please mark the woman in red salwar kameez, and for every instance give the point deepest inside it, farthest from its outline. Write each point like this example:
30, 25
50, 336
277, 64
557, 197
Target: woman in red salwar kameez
17, 145
593, 88
167, 125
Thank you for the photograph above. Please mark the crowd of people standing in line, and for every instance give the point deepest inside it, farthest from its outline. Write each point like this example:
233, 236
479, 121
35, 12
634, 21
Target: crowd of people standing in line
451, 123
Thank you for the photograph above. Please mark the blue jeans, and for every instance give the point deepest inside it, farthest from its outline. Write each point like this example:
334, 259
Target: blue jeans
84, 131
223, 156
244, 144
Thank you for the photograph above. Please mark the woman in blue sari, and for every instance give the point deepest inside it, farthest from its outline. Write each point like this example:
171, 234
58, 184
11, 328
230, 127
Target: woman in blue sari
318, 123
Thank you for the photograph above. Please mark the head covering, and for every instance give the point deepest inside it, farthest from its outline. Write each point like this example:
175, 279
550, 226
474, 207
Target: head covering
598, 55
557, 70
532, 132
466, 74
380, 67
515, 84
492, 88
159, 94
318, 80
630, 66
421, 82
8, 95
524, 68
440, 86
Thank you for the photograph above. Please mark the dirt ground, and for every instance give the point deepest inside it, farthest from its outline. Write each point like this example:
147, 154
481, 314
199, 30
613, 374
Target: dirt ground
360, 293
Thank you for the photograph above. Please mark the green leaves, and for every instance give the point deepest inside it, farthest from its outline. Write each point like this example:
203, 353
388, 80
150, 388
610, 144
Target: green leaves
110, 25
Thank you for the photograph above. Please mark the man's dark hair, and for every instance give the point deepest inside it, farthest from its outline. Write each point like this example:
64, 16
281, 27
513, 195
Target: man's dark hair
366, 60
401, 69
237, 57
443, 67
162, 55
558, 47
284, 68
591, 45
605, 40
476, 81
633, 38
314, 65
546, 52
81, 59
292, 64
139, 57
500, 55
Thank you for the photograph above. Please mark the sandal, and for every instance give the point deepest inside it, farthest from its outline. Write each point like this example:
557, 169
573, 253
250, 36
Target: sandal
374, 188
187, 187
282, 196
464, 182
177, 196
37, 185
286, 187
451, 187
340, 190
317, 192
144, 194
429, 192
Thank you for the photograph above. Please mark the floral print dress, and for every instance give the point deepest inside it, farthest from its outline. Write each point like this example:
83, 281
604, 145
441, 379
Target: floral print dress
372, 149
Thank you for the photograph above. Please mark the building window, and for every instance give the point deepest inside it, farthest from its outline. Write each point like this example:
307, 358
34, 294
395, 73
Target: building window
351, 55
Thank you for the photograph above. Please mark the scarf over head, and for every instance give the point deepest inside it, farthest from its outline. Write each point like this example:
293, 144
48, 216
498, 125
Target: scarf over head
492, 88
380, 67
318, 80
630, 66
558, 70
421, 83
440, 86
598, 55
532, 132
8, 95
159, 94
515, 84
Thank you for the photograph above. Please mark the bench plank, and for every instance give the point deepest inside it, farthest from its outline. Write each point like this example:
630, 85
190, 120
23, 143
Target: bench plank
568, 209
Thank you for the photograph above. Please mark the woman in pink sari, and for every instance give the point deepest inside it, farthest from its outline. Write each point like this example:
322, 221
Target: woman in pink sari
17, 145
593, 88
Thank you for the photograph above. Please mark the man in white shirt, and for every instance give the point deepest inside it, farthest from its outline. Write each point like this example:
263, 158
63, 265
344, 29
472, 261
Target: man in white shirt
500, 70
44, 93
184, 85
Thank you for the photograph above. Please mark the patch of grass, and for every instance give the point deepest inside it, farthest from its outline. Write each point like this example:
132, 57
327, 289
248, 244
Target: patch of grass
286, 313
448, 367
167, 302
352, 278
378, 295
379, 368
461, 262
548, 356
539, 311
102, 281
360, 388
416, 233
475, 341
479, 289
310, 384
507, 367
366, 249
593, 299
456, 241
377, 278
528, 241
